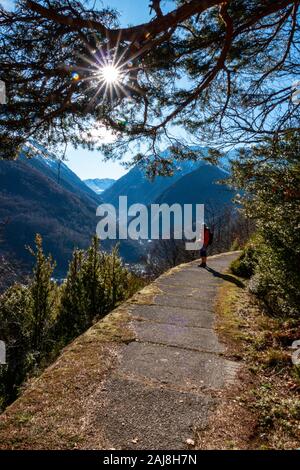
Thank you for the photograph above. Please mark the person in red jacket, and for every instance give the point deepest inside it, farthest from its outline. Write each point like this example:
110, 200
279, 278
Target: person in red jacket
207, 240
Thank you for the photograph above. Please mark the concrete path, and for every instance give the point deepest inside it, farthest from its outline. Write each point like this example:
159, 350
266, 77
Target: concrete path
145, 377
161, 390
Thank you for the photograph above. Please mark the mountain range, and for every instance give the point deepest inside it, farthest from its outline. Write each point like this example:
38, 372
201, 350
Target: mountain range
42, 195
59, 173
99, 185
200, 186
139, 189
33, 200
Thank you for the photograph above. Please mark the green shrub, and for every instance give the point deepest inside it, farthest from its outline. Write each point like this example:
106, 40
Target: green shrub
277, 281
245, 265
269, 176
235, 245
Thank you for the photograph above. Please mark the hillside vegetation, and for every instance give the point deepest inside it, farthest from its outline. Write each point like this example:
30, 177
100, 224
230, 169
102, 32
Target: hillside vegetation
37, 320
270, 177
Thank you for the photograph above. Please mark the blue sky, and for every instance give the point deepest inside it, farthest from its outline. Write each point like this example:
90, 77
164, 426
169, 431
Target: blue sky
6, 3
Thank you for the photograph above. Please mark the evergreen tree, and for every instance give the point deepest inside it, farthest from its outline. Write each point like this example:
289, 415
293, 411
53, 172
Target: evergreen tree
116, 278
72, 319
93, 282
37, 320
223, 69
15, 331
27, 314
269, 176
43, 299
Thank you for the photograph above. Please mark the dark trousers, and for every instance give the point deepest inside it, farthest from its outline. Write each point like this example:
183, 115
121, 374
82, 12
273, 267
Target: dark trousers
203, 251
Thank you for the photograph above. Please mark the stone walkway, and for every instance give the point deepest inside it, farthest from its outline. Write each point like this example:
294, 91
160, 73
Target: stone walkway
145, 377
161, 390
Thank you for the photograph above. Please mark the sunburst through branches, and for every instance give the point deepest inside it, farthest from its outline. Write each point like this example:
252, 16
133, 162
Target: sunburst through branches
108, 74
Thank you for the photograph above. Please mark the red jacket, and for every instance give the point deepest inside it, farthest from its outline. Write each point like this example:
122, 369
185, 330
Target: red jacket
206, 236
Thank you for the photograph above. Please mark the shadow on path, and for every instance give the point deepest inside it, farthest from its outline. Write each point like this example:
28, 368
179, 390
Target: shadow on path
226, 277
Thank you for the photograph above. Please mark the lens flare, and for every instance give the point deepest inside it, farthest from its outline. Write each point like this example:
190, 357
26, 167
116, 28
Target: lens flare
110, 74
107, 76
75, 76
